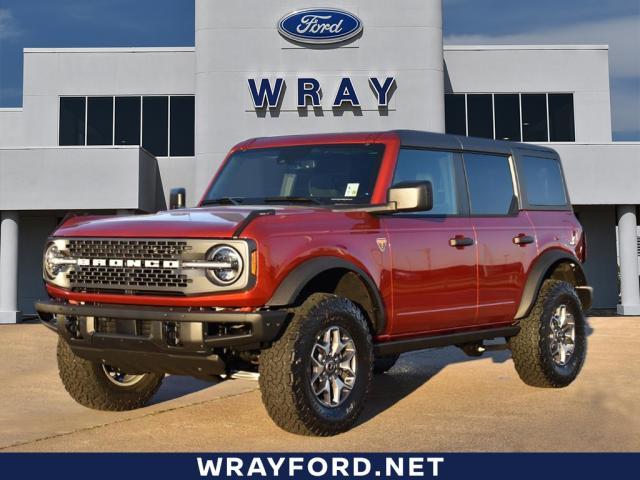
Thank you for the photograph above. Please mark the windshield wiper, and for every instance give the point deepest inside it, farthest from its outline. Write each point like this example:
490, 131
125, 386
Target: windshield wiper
222, 201
292, 199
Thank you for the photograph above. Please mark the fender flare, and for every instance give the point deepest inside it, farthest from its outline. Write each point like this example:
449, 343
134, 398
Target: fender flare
295, 281
540, 271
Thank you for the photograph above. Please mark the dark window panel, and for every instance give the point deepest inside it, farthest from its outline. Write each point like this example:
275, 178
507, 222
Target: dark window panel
155, 125
71, 126
182, 125
534, 117
507, 107
127, 121
480, 115
490, 184
100, 121
542, 180
454, 113
561, 118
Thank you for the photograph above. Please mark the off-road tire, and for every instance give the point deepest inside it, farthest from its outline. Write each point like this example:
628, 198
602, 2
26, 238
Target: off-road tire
87, 383
384, 364
284, 369
530, 348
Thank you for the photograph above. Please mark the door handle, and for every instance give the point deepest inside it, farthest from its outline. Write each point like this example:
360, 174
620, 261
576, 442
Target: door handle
523, 239
460, 242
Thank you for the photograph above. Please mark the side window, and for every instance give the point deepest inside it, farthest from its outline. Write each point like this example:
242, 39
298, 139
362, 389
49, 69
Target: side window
490, 184
435, 167
542, 179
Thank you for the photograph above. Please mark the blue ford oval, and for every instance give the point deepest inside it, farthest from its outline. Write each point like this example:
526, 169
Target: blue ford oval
319, 26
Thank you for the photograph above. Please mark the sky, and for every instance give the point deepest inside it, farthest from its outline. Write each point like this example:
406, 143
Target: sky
112, 23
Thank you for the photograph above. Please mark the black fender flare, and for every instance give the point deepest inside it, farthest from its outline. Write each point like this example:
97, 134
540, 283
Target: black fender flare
544, 264
290, 288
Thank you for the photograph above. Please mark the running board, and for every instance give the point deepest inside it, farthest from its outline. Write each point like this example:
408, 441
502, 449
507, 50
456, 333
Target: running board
401, 346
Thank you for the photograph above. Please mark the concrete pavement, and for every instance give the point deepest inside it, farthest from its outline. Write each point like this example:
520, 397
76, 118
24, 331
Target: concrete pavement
436, 400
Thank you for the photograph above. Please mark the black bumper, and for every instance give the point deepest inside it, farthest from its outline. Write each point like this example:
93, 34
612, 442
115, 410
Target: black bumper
159, 339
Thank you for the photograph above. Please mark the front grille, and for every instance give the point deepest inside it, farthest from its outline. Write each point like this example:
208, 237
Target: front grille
128, 277
144, 249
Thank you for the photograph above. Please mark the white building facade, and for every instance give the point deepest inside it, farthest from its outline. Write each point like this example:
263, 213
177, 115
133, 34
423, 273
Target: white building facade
111, 131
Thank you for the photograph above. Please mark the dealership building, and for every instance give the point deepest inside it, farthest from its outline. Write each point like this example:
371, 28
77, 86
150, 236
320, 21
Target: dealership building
112, 130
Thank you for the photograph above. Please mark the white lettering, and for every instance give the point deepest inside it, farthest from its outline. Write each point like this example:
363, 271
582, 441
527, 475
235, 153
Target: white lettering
152, 263
275, 465
256, 467
323, 467
84, 262
434, 461
170, 264
361, 467
312, 24
295, 465
134, 263
209, 468
340, 464
415, 467
234, 466
99, 262
115, 262
397, 467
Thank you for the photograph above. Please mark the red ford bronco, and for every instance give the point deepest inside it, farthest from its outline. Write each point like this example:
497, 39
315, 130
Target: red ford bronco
321, 259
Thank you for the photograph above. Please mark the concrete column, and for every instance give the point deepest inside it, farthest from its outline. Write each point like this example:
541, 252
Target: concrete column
9, 267
628, 252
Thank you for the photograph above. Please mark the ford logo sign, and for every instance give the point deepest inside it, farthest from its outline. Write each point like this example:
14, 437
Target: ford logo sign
319, 26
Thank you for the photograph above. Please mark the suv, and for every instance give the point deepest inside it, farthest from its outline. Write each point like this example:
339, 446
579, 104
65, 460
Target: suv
320, 259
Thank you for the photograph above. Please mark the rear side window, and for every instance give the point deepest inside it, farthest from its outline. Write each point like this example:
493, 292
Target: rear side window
435, 167
490, 184
542, 180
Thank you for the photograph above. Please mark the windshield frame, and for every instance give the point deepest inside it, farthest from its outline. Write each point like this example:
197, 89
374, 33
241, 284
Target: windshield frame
297, 200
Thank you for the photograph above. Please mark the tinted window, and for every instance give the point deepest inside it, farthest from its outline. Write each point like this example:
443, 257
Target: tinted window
534, 117
490, 184
100, 121
182, 126
542, 179
561, 126
455, 115
435, 167
127, 121
324, 173
155, 124
71, 127
480, 115
507, 107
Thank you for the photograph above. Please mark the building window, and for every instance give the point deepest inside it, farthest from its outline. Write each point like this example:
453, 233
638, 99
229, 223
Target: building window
182, 131
529, 117
155, 125
127, 121
163, 125
71, 129
489, 183
561, 121
480, 115
534, 117
100, 121
455, 114
507, 108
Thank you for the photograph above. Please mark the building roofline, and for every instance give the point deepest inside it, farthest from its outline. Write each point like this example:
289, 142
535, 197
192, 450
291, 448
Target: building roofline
525, 47
109, 50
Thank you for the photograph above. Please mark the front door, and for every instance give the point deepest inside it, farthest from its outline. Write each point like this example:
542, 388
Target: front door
433, 253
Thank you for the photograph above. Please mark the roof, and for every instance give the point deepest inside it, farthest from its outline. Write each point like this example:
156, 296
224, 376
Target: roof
525, 47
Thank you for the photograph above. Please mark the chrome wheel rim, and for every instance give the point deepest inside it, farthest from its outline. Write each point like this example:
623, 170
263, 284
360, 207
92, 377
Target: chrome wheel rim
562, 338
120, 378
332, 374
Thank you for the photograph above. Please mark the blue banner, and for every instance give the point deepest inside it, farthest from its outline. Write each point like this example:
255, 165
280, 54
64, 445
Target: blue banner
174, 466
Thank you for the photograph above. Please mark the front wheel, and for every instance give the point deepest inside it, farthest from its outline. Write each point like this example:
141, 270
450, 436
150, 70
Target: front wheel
103, 387
551, 347
315, 379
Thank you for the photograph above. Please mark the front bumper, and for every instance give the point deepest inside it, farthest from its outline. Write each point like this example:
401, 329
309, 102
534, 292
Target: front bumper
159, 339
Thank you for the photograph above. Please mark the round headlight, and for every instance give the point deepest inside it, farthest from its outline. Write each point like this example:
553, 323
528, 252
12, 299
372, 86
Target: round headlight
51, 262
229, 268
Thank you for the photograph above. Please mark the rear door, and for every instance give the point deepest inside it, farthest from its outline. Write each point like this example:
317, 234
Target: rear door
433, 253
505, 235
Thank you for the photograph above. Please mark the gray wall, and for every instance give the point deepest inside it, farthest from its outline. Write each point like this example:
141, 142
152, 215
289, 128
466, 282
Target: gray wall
582, 70
239, 40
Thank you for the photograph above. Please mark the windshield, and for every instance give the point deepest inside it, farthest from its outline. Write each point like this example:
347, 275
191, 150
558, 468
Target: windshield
323, 174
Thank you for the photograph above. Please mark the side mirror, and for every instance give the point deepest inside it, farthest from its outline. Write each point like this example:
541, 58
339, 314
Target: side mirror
177, 198
411, 196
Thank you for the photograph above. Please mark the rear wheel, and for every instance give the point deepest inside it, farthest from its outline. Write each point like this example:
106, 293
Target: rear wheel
551, 347
315, 379
103, 387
